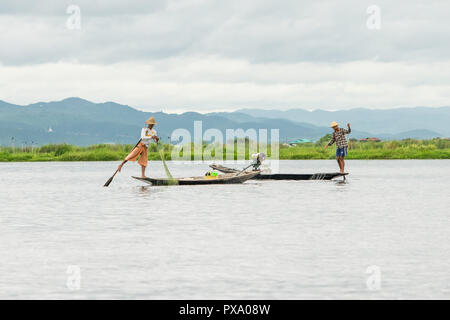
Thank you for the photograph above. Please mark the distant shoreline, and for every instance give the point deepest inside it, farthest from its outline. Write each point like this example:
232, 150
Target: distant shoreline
385, 150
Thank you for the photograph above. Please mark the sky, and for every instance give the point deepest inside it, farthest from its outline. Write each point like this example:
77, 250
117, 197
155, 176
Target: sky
208, 55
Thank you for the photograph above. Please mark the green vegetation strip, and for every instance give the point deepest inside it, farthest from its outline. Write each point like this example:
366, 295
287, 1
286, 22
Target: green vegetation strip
404, 149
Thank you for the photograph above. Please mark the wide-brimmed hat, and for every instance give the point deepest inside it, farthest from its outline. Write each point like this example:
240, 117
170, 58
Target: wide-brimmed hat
334, 124
151, 120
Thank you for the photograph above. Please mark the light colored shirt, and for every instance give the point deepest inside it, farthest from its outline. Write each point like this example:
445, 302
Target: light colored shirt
146, 135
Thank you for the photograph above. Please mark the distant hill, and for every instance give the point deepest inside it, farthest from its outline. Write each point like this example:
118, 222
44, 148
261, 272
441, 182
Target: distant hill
81, 122
413, 134
377, 121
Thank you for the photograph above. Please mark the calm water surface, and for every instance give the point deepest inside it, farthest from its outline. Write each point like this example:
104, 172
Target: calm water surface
384, 234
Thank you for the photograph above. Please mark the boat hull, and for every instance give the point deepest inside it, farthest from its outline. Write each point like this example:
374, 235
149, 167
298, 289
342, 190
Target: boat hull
230, 178
306, 176
285, 176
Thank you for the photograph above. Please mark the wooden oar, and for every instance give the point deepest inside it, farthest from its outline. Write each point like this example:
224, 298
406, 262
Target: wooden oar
125, 161
243, 170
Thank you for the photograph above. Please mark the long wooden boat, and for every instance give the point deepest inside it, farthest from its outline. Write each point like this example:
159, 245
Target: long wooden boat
285, 176
226, 178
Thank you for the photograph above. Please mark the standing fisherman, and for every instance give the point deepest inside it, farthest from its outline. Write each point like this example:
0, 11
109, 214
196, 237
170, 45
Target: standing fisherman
147, 135
341, 143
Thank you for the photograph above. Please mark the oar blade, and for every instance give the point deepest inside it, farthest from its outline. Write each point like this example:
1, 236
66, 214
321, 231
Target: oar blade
109, 181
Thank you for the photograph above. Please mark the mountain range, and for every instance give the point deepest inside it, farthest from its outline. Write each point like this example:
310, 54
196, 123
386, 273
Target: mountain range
382, 122
81, 122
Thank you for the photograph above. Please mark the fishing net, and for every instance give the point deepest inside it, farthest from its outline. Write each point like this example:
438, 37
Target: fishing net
171, 180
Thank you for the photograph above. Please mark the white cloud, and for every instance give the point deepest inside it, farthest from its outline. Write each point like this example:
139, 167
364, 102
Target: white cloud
257, 31
205, 54
213, 83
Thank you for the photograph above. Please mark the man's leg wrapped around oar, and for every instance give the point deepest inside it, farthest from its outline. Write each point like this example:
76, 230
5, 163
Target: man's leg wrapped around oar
141, 152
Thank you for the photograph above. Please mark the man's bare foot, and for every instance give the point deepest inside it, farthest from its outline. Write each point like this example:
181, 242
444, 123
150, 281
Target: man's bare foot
143, 177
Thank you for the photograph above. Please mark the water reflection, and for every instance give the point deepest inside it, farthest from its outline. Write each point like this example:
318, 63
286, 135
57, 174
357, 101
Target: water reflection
258, 240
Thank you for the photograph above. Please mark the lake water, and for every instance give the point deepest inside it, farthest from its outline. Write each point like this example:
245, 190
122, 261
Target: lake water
383, 234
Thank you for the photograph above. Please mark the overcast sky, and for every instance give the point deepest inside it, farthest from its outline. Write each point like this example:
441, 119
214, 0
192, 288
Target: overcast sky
207, 55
